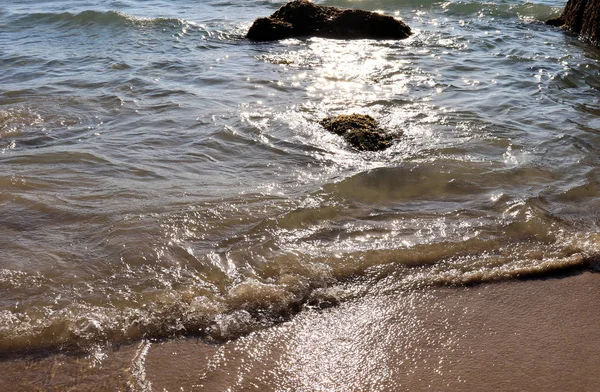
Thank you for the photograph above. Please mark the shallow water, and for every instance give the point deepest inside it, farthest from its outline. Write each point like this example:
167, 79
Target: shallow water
163, 176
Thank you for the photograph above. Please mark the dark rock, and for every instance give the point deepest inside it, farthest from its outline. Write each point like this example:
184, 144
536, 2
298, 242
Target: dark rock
263, 29
359, 130
582, 17
301, 18
556, 22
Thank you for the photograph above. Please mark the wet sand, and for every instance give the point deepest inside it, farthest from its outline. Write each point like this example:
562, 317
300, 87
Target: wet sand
533, 335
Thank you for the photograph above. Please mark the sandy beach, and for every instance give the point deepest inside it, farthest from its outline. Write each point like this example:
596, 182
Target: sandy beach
533, 335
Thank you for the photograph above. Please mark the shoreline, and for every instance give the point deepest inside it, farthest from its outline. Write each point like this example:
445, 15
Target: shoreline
536, 334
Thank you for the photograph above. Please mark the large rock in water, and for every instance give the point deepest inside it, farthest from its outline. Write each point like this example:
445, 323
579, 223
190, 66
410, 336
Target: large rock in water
583, 17
359, 130
301, 18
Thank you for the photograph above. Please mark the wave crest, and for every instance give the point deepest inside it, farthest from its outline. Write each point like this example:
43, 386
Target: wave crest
256, 303
108, 18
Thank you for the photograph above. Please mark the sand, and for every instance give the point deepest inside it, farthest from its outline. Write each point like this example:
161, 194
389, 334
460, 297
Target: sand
531, 335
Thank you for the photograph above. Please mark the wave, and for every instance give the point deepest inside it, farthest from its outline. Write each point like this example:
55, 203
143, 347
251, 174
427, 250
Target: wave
116, 20
90, 17
280, 288
251, 306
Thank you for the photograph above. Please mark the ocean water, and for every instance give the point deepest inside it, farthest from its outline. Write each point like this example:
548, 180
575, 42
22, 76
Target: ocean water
162, 176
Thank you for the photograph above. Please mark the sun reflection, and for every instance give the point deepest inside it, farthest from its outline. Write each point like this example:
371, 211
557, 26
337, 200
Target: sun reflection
346, 68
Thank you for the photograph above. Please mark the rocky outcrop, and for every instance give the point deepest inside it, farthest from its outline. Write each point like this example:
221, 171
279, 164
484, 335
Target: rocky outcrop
359, 130
301, 18
582, 17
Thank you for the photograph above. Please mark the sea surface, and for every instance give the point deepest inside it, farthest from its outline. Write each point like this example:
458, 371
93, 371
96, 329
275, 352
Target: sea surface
162, 176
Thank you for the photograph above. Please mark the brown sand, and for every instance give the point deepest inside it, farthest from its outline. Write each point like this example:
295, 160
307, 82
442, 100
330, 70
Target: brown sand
535, 335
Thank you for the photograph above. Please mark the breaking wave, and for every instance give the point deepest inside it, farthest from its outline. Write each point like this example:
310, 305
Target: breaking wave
239, 295
98, 18
119, 21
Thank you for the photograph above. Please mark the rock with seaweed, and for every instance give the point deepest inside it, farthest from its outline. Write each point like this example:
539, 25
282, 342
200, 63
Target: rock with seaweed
302, 18
582, 17
359, 130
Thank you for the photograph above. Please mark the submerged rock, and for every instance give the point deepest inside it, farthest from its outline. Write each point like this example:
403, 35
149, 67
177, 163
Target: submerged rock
301, 18
361, 131
582, 17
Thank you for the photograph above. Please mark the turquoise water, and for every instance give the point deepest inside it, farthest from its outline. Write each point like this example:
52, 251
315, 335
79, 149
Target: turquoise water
163, 176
